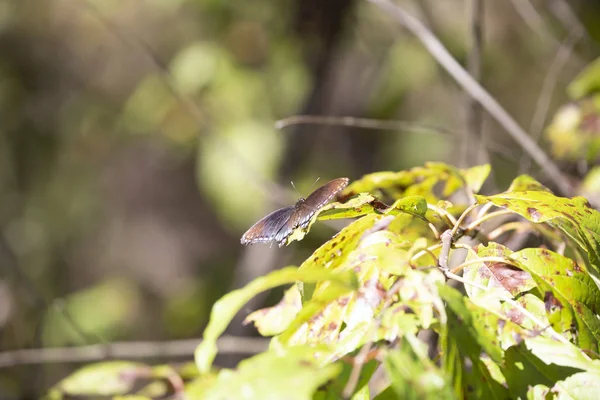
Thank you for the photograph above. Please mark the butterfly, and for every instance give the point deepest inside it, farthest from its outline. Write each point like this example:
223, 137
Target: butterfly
280, 224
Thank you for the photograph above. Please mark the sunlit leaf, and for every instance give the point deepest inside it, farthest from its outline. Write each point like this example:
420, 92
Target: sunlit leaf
525, 183
335, 251
197, 387
290, 374
591, 182
501, 279
355, 207
523, 369
227, 307
418, 181
575, 217
580, 386
273, 320
575, 296
587, 82
476, 176
465, 337
413, 205
334, 389
560, 353
413, 378
101, 379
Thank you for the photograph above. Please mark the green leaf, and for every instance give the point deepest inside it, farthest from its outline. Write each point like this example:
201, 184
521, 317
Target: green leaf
591, 182
570, 293
274, 320
499, 278
418, 181
587, 82
575, 217
466, 322
334, 389
290, 374
524, 183
476, 176
335, 252
388, 394
581, 386
101, 379
321, 311
413, 205
465, 337
560, 353
415, 378
227, 307
523, 369
197, 387
355, 207
543, 361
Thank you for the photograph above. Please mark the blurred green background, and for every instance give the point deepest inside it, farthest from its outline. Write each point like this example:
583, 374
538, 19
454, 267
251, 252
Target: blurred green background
137, 142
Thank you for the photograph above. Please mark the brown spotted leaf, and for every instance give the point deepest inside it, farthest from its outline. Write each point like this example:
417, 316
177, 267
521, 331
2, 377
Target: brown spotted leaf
495, 275
574, 216
571, 296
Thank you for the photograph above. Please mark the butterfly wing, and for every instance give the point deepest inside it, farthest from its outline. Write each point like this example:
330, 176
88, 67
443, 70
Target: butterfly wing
325, 193
279, 225
304, 210
268, 227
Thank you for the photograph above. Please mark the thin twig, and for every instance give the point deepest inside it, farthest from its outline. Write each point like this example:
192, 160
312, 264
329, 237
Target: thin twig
366, 123
369, 123
484, 209
462, 217
511, 226
482, 260
128, 350
567, 17
487, 217
534, 20
359, 361
422, 252
471, 86
442, 213
446, 238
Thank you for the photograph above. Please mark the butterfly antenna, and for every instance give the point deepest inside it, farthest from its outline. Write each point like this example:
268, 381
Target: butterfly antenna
294, 186
315, 182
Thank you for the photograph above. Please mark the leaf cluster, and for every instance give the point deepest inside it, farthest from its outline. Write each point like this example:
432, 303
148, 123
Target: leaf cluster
433, 291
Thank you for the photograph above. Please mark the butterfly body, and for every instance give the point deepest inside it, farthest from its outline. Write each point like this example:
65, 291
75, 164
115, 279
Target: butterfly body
280, 224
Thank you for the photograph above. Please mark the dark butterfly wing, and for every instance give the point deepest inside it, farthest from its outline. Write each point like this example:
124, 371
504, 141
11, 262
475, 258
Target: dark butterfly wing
305, 209
267, 228
325, 193
280, 224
